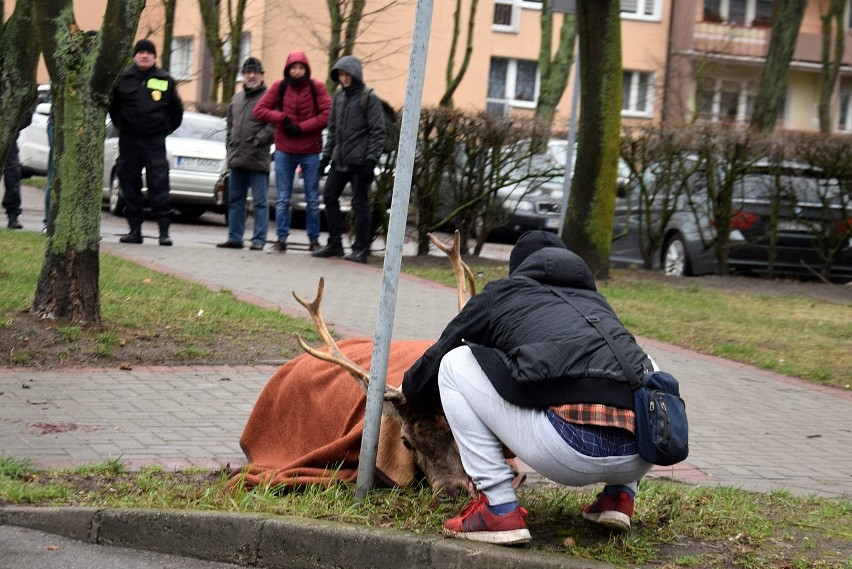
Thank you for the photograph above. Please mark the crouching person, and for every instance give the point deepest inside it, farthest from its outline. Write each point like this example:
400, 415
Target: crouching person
521, 367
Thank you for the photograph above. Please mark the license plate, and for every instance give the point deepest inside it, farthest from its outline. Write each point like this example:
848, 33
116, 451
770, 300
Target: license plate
203, 164
793, 225
552, 223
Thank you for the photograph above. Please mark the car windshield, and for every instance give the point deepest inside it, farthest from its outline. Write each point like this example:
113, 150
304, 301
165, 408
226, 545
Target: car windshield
204, 129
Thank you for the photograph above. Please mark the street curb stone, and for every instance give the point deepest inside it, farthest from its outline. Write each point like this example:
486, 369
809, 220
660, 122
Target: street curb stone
273, 542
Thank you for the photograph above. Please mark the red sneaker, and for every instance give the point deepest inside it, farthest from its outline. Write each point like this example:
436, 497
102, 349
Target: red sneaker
477, 523
612, 512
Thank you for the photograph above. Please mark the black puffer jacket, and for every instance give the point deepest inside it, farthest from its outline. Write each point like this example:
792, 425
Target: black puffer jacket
535, 348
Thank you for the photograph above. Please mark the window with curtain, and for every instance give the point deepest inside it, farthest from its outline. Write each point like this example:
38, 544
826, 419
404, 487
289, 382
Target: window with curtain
637, 94
640, 8
180, 66
511, 83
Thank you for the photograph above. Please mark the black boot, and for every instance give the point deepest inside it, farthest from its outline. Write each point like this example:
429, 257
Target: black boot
164, 223
14, 223
135, 235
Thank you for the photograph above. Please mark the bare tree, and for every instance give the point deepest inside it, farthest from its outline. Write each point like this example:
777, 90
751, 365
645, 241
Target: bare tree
83, 67
453, 81
591, 206
17, 71
786, 20
169, 7
832, 56
225, 65
554, 70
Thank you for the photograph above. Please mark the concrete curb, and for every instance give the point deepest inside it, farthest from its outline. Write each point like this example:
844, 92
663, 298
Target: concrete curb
277, 541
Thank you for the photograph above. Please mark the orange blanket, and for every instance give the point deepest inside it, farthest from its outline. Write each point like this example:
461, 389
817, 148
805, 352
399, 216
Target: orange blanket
307, 424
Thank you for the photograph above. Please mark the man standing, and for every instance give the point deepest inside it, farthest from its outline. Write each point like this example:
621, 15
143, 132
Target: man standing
12, 178
356, 137
248, 141
299, 106
521, 367
145, 108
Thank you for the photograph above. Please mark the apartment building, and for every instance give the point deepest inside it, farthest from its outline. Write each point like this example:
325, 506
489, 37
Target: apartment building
683, 60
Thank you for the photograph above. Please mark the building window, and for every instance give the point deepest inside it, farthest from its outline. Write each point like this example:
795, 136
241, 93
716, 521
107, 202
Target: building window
245, 49
180, 65
637, 94
722, 100
507, 14
512, 83
845, 114
640, 9
739, 12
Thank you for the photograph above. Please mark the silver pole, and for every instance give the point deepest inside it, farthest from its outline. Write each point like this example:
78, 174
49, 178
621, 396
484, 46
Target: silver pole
393, 251
572, 135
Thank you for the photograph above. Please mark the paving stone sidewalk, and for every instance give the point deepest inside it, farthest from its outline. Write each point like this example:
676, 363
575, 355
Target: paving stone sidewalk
749, 428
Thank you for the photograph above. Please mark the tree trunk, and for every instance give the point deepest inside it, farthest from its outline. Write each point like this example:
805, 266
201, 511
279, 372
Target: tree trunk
168, 33
588, 221
83, 67
554, 72
832, 57
453, 82
17, 71
787, 18
224, 69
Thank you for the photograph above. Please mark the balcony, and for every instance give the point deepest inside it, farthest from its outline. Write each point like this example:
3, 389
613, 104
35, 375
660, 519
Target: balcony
727, 40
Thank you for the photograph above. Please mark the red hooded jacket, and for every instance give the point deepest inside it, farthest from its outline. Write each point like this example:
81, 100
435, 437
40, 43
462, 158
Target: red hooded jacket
298, 105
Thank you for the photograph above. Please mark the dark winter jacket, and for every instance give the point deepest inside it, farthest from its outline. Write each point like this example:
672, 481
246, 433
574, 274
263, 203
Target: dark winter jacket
248, 139
146, 103
356, 136
534, 347
299, 106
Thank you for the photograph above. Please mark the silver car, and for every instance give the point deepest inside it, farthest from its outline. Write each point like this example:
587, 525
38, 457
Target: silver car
196, 155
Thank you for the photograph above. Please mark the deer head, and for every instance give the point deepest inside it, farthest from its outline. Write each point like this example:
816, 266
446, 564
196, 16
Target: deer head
427, 435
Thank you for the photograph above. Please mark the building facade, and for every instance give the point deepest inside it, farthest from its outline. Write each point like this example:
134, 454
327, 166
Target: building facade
683, 60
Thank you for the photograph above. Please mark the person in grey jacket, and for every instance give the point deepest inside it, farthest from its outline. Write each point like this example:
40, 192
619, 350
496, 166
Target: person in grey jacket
248, 141
356, 137
521, 367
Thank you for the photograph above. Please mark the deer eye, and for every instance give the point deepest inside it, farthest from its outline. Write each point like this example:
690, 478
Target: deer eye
407, 443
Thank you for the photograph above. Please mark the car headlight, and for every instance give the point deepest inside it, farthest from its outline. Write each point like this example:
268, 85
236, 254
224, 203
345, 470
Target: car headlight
524, 205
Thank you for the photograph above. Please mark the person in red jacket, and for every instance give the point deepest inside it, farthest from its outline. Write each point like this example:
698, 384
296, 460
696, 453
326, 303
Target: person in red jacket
298, 106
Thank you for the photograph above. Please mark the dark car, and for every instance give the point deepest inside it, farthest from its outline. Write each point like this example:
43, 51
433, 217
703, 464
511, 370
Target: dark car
788, 220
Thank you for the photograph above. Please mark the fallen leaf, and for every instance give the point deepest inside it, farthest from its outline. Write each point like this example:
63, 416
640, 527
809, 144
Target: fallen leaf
52, 547
122, 342
569, 542
146, 281
125, 366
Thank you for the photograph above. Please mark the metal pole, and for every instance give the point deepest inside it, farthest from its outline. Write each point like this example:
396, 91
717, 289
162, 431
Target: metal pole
572, 135
393, 252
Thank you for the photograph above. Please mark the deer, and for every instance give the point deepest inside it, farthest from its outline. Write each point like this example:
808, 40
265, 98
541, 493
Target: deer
425, 434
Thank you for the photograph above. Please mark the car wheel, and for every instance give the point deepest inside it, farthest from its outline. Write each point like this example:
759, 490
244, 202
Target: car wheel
675, 258
116, 199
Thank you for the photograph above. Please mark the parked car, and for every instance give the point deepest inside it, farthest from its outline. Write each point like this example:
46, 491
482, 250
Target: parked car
536, 202
196, 156
790, 220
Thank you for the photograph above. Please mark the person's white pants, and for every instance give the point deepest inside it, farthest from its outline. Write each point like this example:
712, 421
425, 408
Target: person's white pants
482, 422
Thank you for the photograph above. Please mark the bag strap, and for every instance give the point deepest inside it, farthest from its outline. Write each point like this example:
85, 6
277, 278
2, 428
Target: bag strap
629, 373
282, 88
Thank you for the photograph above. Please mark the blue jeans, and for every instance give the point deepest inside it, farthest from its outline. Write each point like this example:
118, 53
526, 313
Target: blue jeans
239, 181
285, 171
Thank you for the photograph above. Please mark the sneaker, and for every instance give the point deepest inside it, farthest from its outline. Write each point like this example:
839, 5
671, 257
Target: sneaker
314, 246
278, 247
477, 523
329, 251
613, 512
257, 245
230, 245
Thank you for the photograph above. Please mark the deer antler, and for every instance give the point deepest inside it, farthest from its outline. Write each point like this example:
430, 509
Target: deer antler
463, 273
334, 355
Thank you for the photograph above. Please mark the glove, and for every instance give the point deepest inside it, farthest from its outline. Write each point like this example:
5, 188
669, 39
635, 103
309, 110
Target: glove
369, 167
324, 162
291, 128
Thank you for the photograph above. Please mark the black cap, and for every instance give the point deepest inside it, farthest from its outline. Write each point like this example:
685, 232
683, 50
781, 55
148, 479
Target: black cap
145, 45
252, 64
529, 243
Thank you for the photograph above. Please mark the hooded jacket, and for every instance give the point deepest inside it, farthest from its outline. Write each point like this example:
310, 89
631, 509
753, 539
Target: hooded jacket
299, 106
536, 349
248, 139
356, 136
146, 103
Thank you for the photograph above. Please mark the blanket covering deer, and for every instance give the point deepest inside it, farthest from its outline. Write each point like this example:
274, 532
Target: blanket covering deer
307, 424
